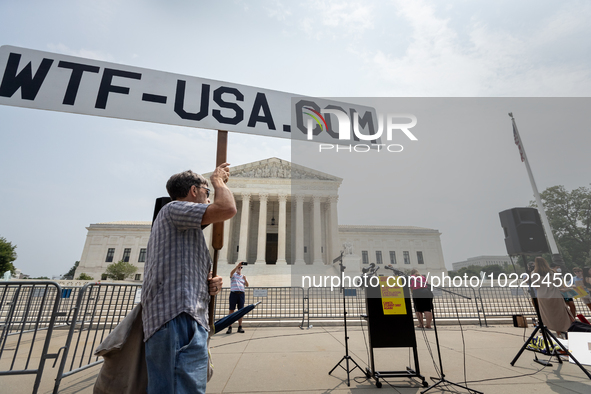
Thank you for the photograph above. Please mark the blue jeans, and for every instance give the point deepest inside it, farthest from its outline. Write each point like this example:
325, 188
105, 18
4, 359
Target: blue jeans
176, 357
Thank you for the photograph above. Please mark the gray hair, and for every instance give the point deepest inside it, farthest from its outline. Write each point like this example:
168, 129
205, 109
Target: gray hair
179, 185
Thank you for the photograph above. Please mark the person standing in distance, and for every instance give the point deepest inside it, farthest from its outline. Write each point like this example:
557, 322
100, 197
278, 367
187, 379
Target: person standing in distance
178, 282
238, 282
422, 298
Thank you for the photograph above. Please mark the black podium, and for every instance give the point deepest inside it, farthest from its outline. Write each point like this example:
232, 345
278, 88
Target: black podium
390, 325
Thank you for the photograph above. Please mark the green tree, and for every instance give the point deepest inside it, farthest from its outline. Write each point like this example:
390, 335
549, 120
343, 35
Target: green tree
7, 256
495, 269
520, 264
84, 276
569, 214
471, 270
120, 270
72, 271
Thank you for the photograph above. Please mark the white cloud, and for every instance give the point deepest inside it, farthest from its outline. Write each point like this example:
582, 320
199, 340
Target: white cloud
492, 62
337, 18
179, 146
278, 10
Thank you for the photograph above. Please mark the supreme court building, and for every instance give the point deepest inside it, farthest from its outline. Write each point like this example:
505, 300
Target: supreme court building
287, 216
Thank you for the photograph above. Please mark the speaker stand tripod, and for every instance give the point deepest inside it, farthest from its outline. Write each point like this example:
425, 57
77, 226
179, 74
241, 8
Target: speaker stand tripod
546, 334
346, 357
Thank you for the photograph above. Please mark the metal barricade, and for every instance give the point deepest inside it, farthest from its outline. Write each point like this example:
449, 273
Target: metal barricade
29, 312
327, 303
582, 308
68, 297
322, 302
276, 303
506, 301
456, 303
99, 308
27, 316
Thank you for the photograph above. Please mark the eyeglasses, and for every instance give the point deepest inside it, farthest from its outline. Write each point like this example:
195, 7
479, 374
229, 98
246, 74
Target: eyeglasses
207, 190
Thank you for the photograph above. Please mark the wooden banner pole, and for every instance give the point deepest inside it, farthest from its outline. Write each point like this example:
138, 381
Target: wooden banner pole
218, 228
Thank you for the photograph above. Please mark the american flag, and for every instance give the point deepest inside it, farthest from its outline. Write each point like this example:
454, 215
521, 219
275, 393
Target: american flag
518, 142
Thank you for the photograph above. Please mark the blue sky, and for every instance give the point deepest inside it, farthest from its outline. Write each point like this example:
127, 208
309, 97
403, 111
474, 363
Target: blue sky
60, 172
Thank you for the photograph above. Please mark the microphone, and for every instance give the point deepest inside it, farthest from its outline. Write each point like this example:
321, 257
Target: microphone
370, 268
397, 272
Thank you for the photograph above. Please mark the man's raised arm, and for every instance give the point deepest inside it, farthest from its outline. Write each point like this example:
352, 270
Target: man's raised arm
224, 206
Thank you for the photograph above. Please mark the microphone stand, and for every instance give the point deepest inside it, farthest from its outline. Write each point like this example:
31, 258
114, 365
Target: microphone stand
442, 379
346, 357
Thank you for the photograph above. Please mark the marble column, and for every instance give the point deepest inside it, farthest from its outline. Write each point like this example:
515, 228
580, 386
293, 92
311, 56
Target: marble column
223, 253
208, 235
299, 230
317, 219
281, 230
243, 240
262, 236
335, 248
328, 231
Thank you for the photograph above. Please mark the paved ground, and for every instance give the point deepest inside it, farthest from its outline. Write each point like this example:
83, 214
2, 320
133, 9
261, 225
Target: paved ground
287, 359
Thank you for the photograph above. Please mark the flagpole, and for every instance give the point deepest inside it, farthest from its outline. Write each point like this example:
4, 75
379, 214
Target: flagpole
549, 235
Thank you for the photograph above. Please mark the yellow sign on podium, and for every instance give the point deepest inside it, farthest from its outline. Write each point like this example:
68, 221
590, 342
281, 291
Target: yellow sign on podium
392, 297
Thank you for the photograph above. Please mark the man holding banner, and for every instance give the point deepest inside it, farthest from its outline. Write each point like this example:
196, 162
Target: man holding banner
178, 282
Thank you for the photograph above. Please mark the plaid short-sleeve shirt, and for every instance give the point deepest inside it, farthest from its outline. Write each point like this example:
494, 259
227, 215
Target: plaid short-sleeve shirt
177, 265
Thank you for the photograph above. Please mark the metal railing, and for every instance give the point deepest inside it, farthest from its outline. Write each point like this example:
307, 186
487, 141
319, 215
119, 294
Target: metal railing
276, 302
29, 312
27, 317
504, 301
99, 308
324, 303
68, 299
457, 303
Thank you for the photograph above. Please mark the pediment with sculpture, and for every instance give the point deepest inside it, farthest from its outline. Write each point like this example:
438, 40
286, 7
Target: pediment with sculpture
279, 169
